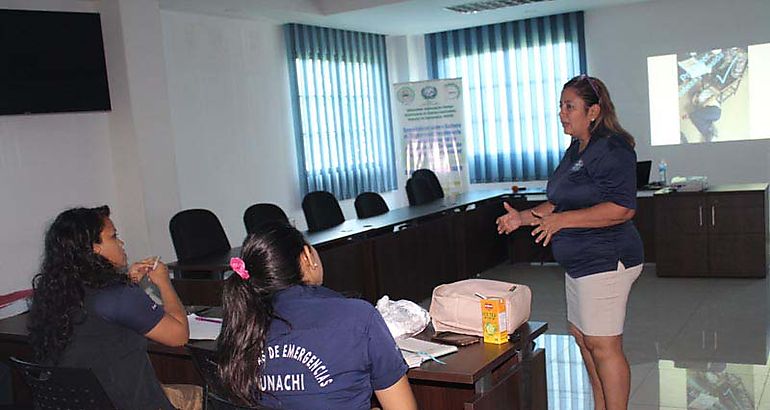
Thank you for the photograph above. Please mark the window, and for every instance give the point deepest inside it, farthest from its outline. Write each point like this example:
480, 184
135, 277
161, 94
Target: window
512, 77
341, 108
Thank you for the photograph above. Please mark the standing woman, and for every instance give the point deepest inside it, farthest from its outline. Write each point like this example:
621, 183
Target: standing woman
587, 218
86, 313
288, 342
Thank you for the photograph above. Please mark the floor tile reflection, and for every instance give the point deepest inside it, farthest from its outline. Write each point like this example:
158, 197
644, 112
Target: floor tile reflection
692, 343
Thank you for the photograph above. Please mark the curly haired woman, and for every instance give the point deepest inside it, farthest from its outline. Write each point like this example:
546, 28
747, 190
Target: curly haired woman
87, 313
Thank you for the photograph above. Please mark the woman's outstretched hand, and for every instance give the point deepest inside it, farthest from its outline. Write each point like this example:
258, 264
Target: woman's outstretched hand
509, 222
546, 226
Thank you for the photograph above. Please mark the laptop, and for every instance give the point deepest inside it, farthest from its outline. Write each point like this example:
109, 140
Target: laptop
643, 174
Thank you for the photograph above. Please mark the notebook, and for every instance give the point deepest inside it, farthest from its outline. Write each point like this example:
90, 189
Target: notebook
416, 351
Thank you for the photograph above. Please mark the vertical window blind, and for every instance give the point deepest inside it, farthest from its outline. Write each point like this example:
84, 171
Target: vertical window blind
512, 74
341, 109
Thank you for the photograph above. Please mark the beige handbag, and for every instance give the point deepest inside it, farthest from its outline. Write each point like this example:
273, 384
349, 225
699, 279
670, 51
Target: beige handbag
455, 307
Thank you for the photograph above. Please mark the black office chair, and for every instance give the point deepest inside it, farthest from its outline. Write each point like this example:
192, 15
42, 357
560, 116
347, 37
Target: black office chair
63, 387
369, 204
322, 211
418, 191
433, 183
197, 233
257, 214
213, 392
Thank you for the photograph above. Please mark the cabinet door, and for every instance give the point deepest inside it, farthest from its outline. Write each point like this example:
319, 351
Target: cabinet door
736, 223
484, 247
681, 243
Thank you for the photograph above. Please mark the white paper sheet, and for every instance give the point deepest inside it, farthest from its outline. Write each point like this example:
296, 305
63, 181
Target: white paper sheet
203, 328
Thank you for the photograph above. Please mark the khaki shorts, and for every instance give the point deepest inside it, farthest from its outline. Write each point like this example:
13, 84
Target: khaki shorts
184, 396
596, 304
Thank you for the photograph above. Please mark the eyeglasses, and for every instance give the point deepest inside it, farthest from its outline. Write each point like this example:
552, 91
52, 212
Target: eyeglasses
593, 86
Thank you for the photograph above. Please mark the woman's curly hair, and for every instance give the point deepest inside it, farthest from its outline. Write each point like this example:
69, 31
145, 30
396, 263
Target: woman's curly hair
69, 266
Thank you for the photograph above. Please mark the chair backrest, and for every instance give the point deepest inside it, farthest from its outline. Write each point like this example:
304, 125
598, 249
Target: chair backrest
63, 387
418, 191
321, 210
257, 214
370, 204
206, 363
433, 182
196, 233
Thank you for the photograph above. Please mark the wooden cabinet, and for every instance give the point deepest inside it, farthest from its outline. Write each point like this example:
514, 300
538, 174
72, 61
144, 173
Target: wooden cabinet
644, 220
722, 232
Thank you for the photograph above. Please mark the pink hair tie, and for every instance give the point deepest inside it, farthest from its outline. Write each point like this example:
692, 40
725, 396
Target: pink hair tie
239, 267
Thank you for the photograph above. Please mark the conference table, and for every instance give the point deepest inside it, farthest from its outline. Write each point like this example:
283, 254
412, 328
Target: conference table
403, 253
479, 376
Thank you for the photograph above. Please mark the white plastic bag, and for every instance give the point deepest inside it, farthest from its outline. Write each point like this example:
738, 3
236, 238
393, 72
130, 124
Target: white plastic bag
403, 317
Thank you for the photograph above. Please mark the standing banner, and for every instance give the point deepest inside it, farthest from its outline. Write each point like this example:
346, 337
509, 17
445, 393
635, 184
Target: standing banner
430, 120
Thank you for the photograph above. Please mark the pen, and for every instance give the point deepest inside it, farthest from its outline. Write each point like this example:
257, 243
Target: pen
207, 319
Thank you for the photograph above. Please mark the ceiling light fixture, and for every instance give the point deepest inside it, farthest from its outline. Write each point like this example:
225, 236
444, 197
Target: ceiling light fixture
471, 8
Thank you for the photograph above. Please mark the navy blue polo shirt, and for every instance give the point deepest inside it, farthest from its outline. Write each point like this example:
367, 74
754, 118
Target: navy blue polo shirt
328, 352
128, 306
604, 172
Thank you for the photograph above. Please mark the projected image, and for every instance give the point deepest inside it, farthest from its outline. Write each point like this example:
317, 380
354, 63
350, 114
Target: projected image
707, 82
709, 96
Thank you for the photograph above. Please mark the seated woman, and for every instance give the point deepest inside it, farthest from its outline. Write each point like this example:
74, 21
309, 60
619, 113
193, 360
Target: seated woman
87, 313
287, 342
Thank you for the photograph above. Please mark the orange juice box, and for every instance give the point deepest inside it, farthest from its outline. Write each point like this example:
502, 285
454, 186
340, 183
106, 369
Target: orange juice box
494, 320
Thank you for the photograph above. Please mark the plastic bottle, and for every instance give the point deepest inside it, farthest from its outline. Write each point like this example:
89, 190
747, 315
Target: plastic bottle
662, 168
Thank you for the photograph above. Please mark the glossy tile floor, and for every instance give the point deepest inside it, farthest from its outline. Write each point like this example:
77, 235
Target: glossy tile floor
692, 343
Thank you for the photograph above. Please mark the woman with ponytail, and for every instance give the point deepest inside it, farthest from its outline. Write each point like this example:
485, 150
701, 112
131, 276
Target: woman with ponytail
288, 342
587, 218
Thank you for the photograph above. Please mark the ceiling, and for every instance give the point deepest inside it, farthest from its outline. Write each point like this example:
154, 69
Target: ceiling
393, 17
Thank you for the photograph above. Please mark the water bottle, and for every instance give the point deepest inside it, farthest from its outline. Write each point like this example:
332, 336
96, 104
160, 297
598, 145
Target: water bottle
151, 289
662, 168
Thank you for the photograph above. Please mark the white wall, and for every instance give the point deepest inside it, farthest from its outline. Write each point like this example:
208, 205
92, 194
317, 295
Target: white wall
229, 94
141, 134
47, 163
619, 40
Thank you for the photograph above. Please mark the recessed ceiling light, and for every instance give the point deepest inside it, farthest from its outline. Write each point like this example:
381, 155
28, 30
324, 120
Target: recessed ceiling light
471, 8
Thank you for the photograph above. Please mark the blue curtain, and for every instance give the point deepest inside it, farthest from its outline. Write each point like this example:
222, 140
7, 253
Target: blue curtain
341, 108
512, 77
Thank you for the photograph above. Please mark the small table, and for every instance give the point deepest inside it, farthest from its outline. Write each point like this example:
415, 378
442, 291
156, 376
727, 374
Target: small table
486, 376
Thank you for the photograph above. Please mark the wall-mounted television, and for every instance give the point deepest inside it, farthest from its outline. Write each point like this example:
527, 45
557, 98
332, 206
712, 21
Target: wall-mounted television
51, 62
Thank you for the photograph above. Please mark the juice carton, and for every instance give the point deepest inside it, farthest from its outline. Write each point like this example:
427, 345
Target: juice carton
494, 320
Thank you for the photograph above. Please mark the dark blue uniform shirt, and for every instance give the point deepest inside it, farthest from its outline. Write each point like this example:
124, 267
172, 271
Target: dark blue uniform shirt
604, 172
109, 339
330, 352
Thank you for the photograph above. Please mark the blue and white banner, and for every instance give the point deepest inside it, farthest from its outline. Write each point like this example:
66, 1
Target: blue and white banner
430, 119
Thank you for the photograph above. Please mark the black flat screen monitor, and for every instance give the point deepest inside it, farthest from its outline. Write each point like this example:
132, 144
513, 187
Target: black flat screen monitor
51, 62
